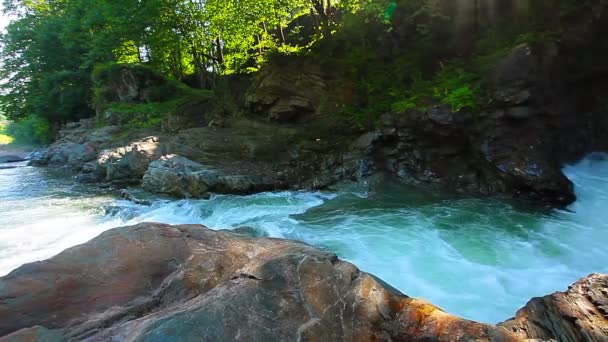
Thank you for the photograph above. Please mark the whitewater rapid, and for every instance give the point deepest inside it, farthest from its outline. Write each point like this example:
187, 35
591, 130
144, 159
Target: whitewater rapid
478, 258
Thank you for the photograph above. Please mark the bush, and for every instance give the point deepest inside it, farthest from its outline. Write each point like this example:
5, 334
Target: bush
32, 130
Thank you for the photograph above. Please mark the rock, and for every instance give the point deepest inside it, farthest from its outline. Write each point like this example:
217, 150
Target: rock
79, 143
154, 281
513, 76
127, 195
10, 159
158, 282
36, 333
442, 115
39, 157
70, 155
579, 314
249, 231
178, 176
287, 92
129, 163
172, 175
366, 141
520, 112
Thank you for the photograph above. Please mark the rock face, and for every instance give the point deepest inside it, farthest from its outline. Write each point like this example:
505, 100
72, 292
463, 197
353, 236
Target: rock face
158, 282
288, 92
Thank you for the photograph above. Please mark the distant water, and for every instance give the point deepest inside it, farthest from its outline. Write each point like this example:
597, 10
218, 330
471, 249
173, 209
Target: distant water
478, 258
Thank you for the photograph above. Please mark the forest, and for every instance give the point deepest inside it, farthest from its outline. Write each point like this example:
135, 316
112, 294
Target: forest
50, 51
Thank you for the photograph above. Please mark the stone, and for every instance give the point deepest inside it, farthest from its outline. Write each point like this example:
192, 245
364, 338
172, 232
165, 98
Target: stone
520, 112
173, 175
39, 157
181, 177
442, 115
366, 141
287, 92
128, 164
514, 76
70, 155
579, 314
154, 281
159, 282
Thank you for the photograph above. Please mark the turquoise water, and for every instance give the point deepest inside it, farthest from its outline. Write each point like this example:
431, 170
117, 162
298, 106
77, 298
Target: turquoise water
478, 258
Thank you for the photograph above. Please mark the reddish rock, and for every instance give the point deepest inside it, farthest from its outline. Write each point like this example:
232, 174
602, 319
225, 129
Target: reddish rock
157, 282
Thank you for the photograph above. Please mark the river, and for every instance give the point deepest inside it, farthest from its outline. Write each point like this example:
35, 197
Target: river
481, 259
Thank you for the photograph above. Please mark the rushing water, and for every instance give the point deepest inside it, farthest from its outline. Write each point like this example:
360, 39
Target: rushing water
478, 258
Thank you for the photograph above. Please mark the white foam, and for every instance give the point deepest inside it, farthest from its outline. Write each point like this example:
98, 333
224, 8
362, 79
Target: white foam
476, 258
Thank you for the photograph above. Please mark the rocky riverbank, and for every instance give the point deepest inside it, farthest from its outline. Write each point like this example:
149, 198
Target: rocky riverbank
515, 145
158, 282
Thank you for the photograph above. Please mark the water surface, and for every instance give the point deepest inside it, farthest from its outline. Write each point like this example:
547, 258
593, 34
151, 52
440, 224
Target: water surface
478, 258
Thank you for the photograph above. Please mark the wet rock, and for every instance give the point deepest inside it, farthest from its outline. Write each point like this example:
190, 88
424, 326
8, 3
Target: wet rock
190, 283
127, 195
39, 157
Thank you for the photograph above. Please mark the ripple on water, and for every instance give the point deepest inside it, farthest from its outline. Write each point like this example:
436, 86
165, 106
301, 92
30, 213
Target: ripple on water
481, 259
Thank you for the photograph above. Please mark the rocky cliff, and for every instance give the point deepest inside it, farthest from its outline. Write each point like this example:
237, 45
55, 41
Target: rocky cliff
154, 282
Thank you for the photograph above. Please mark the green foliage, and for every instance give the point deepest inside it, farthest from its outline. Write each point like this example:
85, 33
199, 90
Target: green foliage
455, 86
32, 130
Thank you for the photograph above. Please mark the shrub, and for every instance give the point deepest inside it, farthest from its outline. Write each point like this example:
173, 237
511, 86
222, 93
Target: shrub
33, 130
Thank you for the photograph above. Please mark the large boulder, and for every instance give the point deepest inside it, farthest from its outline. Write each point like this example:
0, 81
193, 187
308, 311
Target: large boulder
182, 177
173, 175
160, 282
127, 164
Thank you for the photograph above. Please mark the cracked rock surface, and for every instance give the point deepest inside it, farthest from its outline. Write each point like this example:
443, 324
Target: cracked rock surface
155, 282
